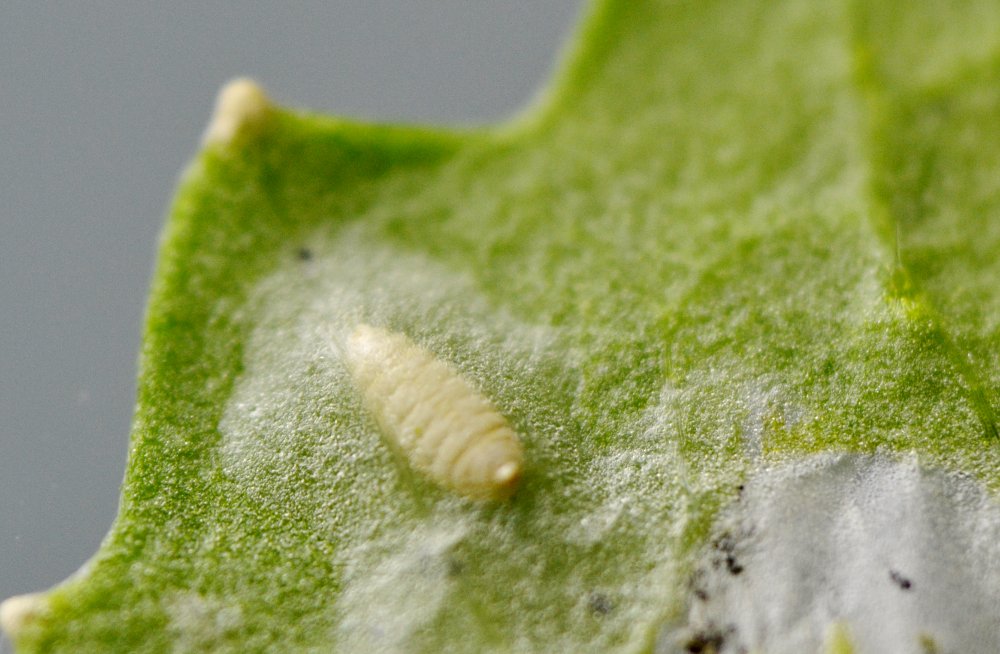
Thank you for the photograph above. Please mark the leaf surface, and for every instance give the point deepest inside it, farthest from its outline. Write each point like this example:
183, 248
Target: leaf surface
733, 236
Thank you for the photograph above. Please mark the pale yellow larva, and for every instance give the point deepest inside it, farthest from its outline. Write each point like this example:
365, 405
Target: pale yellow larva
446, 429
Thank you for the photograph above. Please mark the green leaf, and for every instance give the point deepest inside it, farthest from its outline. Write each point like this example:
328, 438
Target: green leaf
738, 245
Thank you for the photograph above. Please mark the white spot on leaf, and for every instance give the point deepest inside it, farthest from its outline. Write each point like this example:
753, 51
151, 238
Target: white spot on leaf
16, 612
240, 106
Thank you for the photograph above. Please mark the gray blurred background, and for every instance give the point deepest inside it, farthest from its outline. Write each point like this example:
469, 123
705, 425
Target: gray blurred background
101, 105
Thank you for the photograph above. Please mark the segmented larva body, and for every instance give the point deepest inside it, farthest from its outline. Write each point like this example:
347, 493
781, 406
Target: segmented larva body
446, 428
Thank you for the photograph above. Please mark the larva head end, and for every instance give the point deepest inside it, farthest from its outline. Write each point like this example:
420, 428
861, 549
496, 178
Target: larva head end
508, 473
505, 480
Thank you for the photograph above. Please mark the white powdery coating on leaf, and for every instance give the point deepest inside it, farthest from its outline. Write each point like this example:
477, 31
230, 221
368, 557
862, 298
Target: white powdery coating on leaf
294, 433
300, 446
902, 556
199, 623
389, 596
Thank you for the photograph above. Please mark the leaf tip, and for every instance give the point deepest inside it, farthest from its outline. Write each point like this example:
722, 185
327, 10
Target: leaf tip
19, 611
241, 107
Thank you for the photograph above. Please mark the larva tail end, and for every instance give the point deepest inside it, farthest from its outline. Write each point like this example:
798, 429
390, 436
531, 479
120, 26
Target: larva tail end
364, 334
365, 345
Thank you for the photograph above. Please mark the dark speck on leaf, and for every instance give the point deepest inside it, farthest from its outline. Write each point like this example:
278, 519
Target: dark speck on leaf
599, 604
304, 254
708, 641
697, 585
900, 580
726, 545
455, 567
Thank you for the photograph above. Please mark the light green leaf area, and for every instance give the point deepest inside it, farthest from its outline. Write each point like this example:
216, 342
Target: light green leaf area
732, 234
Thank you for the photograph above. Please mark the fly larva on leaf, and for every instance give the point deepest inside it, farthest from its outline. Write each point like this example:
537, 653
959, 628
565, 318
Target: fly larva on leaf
444, 427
